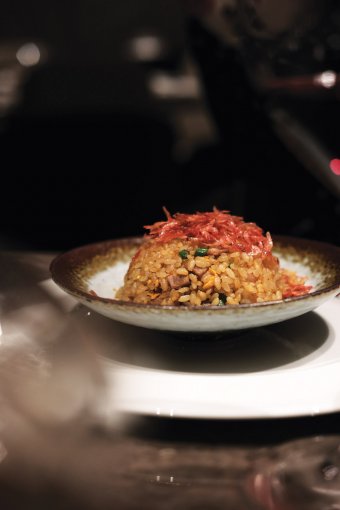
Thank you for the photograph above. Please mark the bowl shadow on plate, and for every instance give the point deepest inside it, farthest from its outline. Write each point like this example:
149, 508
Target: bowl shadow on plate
244, 351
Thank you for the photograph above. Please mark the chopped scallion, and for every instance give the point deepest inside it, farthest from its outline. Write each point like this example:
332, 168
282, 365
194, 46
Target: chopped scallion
222, 299
201, 252
183, 254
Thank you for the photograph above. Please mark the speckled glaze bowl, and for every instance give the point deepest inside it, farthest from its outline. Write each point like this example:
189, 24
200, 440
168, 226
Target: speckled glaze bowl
93, 274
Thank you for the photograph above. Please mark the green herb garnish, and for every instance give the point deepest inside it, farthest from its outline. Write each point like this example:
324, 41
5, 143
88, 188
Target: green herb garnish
201, 252
222, 299
183, 254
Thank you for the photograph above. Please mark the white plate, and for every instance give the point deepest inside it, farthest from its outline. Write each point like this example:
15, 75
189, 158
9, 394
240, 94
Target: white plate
300, 375
283, 370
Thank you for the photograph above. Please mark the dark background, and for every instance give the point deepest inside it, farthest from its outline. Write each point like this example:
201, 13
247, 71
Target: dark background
89, 152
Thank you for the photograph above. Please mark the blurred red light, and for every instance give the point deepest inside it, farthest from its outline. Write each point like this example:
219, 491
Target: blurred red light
334, 165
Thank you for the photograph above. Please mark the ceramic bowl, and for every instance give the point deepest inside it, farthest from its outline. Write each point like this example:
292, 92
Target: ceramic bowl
93, 273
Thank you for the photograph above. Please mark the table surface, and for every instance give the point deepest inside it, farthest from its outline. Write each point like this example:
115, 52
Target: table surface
142, 461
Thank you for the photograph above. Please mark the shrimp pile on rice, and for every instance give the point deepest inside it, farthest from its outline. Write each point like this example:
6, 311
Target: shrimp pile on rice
208, 258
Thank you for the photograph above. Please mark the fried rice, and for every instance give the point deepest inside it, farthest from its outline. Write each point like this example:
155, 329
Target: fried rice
211, 258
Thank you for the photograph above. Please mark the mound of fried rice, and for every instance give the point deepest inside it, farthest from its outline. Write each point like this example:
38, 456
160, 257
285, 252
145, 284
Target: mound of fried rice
210, 258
